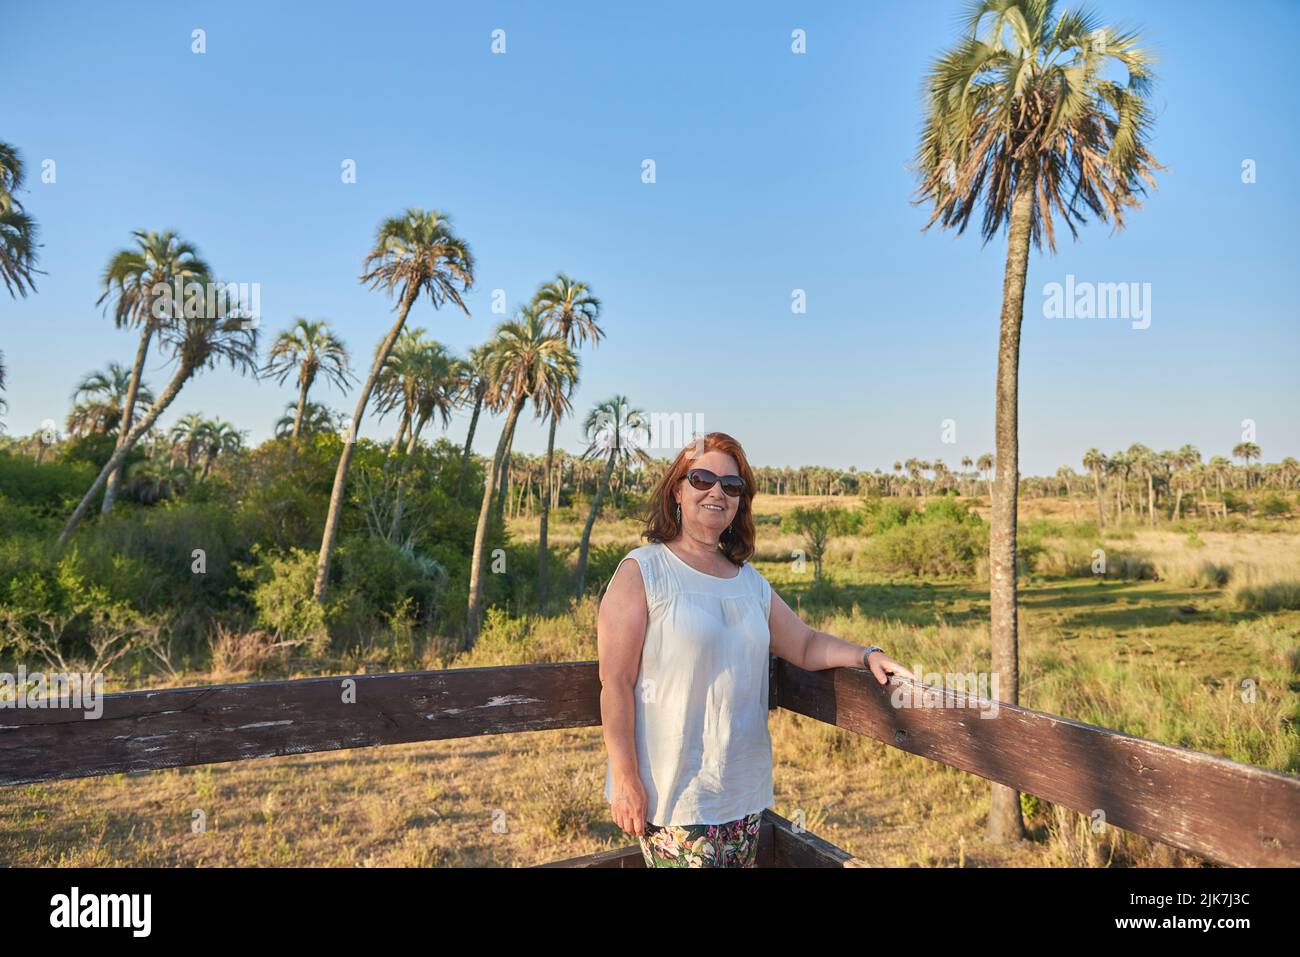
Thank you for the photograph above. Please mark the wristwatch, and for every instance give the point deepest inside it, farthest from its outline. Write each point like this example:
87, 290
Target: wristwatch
867, 654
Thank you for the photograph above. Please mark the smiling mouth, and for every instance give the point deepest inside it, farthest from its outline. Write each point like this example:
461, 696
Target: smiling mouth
716, 508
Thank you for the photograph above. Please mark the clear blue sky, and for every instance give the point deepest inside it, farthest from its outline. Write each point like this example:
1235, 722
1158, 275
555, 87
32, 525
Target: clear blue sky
775, 171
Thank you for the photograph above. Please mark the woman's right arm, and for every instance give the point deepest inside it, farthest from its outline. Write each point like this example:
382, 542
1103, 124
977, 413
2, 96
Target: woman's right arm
620, 633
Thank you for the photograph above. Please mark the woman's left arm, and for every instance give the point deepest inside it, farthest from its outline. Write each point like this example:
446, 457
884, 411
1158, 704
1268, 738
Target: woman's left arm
812, 650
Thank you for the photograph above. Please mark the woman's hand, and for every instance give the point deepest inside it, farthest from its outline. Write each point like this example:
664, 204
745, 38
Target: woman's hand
882, 665
628, 806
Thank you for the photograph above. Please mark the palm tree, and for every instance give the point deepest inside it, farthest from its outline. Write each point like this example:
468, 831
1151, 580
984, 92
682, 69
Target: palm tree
1142, 459
985, 465
310, 349
572, 313
1021, 119
1189, 458
1219, 467
525, 360
418, 377
154, 479
414, 253
311, 419
98, 401
611, 427
188, 437
1246, 451
140, 280
415, 371
219, 438
1095, 462
17, 229
196, 342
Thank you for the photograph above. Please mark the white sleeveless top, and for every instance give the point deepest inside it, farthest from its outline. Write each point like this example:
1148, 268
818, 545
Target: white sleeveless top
702, 745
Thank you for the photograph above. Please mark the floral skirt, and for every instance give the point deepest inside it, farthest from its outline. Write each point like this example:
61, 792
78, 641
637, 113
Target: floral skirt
733, 844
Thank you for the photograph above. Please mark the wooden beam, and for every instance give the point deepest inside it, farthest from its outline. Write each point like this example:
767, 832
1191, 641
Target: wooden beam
1234, 814
148, 730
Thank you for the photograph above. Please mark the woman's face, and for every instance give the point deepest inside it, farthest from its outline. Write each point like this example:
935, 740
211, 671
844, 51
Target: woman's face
707, 514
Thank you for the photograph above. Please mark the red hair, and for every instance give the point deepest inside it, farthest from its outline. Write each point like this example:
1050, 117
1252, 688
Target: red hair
736, 542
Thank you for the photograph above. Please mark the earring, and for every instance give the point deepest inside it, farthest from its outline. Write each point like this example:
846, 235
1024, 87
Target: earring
679, 513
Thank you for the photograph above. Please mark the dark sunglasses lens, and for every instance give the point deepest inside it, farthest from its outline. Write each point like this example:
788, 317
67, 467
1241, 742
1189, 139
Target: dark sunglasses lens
701, 479
733, 485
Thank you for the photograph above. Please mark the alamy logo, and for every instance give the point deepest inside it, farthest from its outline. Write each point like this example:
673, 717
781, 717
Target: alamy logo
1101, 300
103, 910
37, 690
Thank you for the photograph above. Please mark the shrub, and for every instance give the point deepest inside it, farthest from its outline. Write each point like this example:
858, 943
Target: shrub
282, 584
926, 548
1273, 504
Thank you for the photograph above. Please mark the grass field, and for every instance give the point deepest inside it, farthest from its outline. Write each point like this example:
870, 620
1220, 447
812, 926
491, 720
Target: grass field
1162, 658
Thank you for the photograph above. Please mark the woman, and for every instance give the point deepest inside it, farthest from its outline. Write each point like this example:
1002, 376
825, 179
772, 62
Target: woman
683, 634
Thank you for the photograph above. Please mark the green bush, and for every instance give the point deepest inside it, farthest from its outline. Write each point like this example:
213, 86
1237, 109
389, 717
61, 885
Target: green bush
281, 585
939, 548
1273, 504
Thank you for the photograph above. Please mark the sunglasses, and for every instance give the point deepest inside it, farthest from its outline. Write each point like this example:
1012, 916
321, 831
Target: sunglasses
704, 480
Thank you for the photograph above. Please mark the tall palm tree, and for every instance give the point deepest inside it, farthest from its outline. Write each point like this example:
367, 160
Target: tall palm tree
17, 229
611, 428
414, 253
571, 312
1095, 462
146, 283
98, 401
196, 342
525, 361
310, 349
1022, 120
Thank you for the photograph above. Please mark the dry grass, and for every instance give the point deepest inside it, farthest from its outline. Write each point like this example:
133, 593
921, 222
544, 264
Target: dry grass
1122, 654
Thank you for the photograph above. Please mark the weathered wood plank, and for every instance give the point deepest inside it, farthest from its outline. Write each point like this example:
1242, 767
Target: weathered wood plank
1231, 813
148, 730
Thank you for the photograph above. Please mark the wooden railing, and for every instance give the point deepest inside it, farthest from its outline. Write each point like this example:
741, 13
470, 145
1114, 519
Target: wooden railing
1231, 813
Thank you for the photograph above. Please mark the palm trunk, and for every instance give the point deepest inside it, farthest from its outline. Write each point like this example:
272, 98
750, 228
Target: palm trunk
183, 372
302, 405
503, 480
396, 526
402, 426
1101, 511
469, 443
345, 459
1151, 501
1005, 825
545, 495
591, 520
473, 618
128, 412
